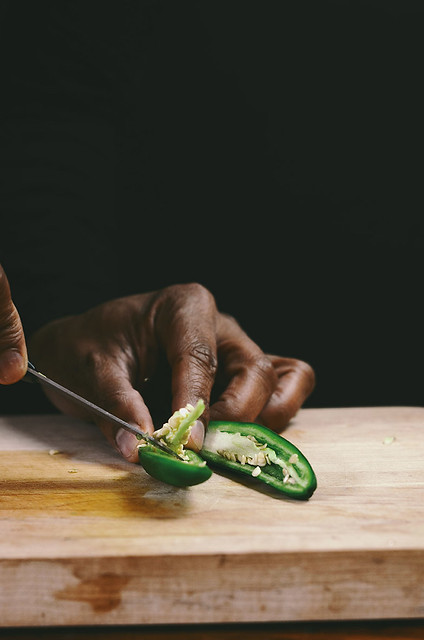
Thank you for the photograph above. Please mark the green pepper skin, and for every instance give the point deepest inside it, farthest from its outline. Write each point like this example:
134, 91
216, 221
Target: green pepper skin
270, 475
176, 472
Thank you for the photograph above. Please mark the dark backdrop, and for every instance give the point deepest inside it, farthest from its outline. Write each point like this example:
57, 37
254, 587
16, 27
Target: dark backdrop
271, 150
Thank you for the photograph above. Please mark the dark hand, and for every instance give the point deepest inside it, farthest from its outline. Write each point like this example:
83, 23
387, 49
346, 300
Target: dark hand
13, 354
112, 355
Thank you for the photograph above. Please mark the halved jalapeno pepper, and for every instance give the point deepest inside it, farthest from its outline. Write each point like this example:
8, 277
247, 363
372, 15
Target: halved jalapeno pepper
254, 450
179, 473
189, 470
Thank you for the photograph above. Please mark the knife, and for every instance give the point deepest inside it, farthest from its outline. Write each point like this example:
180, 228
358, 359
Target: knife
33, 375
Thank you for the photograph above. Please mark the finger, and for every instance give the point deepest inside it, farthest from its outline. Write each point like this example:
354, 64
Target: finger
13, 353
249, 374
108, 385
187, 333
115, 393
197, 435
296, 381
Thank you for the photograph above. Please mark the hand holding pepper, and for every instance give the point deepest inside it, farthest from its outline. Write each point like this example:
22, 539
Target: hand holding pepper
111, 353
13, 354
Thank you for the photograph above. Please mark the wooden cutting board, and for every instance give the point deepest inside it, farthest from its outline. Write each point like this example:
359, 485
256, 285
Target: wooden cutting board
86, 538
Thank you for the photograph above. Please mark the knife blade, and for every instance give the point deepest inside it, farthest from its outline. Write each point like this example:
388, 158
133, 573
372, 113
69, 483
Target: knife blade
33, 375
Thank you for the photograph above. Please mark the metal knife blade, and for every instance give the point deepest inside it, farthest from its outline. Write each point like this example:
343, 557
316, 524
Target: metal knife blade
34, 375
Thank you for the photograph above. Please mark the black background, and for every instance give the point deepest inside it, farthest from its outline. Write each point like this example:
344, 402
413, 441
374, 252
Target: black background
271, 150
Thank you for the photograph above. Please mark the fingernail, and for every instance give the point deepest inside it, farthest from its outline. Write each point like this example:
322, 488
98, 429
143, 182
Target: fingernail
197, 435
12, 366
126, 443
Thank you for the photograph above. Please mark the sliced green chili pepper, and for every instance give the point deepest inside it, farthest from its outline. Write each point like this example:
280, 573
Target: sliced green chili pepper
179, 473
254, 450
175, 433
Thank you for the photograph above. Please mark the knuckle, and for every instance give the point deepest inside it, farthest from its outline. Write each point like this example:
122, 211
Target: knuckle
10, 329
118, 400
182, 302
227, 317
4, 288
204, 357
93, 360
197, 290
264, 369
228, 323
307, 372
194, 293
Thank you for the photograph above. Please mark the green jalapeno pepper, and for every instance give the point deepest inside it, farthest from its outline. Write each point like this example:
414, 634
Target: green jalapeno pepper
179, 473
189, 470
254, 450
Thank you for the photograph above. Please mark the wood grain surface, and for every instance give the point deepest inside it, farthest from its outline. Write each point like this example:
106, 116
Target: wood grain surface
88, 539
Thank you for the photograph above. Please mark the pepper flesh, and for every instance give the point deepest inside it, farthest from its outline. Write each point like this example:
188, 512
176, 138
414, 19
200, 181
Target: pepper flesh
254, 450
188, 471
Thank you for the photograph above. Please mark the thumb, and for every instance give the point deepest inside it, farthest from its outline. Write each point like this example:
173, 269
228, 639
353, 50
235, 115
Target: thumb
13, 354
